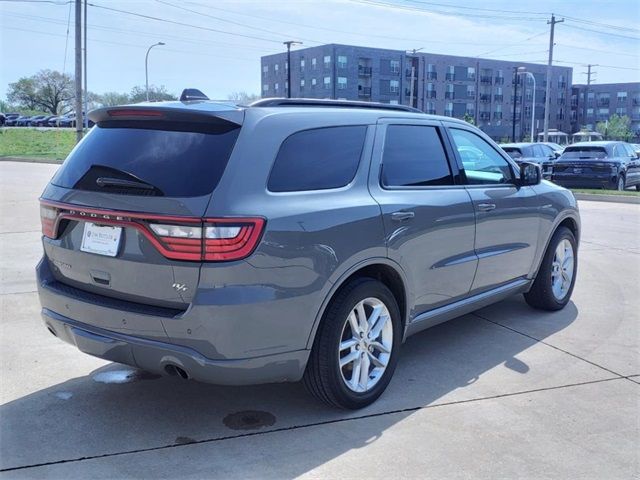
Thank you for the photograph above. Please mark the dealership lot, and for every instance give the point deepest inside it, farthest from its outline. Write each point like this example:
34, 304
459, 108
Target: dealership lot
504, 392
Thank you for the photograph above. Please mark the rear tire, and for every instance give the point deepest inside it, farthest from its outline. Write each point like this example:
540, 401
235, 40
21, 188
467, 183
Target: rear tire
372, 344
556, 278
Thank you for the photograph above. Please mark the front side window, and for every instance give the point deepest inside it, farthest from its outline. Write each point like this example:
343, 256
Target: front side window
413, 156
482, 163
318, 159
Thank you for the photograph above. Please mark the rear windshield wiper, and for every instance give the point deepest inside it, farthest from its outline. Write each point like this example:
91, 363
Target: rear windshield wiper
120, 183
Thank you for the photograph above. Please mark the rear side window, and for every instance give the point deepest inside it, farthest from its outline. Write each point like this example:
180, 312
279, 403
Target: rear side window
176, 160
586, 152
513, 152
318, 159
414, 157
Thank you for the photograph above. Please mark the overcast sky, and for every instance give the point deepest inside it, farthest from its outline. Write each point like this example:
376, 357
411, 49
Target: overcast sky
218, 44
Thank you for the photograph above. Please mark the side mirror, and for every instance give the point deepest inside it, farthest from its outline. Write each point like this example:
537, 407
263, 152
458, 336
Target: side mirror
530, 174
637, 153
556, 154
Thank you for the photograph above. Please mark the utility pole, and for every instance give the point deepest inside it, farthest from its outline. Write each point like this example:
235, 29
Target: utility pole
288, 43
78, 74
515, 100
86, 91
588, 73
547, 99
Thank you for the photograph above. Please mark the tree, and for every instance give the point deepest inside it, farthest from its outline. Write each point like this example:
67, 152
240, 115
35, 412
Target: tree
617, 128
47, 90
469, 119
156, 94
243, 98
112, 99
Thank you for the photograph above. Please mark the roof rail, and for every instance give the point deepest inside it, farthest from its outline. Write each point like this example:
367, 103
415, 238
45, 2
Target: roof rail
316, 102
192, 94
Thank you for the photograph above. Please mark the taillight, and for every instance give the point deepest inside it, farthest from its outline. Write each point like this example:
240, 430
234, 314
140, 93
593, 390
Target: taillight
177, 238
48, 218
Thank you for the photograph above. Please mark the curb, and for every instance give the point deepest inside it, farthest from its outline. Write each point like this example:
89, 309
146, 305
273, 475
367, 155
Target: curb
32, 160
594, 197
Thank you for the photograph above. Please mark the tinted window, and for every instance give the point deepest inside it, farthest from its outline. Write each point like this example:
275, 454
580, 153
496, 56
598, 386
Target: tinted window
177, 163
513, 152
585, 152
414, 157
318, 159
482, 163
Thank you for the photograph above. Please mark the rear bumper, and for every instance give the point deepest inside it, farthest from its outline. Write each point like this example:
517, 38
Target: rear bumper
604, 180
156, 356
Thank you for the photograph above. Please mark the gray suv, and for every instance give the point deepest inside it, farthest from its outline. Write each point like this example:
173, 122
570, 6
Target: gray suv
290, 239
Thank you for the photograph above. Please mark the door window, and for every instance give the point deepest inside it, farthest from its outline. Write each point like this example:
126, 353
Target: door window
414, 157
482, 163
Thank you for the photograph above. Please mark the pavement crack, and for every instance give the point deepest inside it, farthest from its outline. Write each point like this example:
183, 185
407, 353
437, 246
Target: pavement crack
309, 425
549, 345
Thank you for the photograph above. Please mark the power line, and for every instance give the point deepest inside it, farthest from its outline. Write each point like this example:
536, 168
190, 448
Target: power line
521, 12
66, 42
611, 52
600, 32
504, 47
598, 24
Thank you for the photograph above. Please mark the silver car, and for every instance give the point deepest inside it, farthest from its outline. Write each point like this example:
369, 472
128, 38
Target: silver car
291, 239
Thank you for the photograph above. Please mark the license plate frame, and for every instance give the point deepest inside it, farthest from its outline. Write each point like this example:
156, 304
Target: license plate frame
101, 239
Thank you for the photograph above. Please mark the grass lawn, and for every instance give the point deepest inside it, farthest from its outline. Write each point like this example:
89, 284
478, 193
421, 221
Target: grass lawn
599, 191
31, 142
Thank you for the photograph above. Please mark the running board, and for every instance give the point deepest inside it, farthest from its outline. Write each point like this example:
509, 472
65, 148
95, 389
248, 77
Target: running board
461, 307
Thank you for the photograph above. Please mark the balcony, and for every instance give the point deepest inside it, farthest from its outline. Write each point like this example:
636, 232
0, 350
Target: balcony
471, 95
432, 75
498, 98
603, 102
364, 91
485, 98
449, 95
498, 81
364, 71
497, 115
485, 116
450, 77
430, 94
485, 80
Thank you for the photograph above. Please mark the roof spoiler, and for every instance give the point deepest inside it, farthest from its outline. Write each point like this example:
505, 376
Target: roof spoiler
192, 94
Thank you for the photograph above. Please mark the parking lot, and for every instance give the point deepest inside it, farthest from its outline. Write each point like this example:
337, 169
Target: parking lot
504, 392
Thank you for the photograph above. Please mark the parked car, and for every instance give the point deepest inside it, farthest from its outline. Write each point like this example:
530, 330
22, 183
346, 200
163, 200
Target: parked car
558, 149
539, 153
68, 120
10, 119
3, 119
53, 121
290, 239
42, 122
23, 120
612, 165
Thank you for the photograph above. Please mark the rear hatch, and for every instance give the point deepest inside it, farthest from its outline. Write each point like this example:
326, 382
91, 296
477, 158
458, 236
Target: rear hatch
583, 159
122, 218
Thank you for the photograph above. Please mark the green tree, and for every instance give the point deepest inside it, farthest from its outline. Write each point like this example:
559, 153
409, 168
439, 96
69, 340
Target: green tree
243, 98
617, 128
469, 119
112, 99
47, 90
156, 94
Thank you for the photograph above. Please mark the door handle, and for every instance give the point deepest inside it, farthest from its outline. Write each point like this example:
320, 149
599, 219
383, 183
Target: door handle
400, 216
486, 207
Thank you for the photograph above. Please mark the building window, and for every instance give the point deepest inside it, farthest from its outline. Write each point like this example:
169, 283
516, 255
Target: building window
342, 83
431, 108
302, 83
327, 61
276, 67
394, 66
327, 83
265, 69
313, 63
342, 61
286, 66
302, 65
448, 109
471, 73
471, 91
394, 86
471, 109
621, 110
265, 88
622, 97
276, 86
589, 111
393, 102
313, 82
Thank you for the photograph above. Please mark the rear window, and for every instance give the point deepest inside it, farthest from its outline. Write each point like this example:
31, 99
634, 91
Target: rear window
513, 152
584, 152
176, 160
318, 159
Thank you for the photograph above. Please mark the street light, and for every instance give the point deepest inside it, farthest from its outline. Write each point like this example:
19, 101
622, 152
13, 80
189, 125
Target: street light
146, 66
523, 71
288, 43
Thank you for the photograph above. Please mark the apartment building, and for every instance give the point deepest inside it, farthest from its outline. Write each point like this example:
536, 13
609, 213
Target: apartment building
448, 85
591, 104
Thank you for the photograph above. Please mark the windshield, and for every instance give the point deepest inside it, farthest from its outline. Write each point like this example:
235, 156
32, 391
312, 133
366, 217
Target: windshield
175, 160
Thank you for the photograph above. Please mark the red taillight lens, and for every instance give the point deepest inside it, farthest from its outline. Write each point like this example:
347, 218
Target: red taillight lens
49, 220
134, 112
231, 239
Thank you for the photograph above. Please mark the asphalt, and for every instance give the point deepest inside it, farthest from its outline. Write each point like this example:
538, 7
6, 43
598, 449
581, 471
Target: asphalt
505, 392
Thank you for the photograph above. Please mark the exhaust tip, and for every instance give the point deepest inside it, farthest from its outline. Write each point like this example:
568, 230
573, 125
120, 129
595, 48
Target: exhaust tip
175, 371
52, 331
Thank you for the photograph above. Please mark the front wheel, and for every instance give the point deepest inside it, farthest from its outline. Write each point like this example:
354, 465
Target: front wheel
620, 185
556, 278
356, 347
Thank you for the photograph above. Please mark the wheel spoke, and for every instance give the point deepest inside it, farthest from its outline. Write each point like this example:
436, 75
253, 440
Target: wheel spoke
375, 331
347, 359
375, 315
376, 361
364, 371
348, 344
380, 347
355, 373
362, 318
353, 323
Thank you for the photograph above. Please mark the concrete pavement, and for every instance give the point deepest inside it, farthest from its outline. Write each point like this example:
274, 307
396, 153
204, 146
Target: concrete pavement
505, 392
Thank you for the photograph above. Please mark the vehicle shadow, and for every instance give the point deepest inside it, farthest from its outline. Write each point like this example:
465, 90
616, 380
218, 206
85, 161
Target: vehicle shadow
464, 359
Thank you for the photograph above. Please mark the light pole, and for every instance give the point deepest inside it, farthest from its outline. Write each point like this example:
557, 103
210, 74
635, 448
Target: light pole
146, 66
288, 43
523, 71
